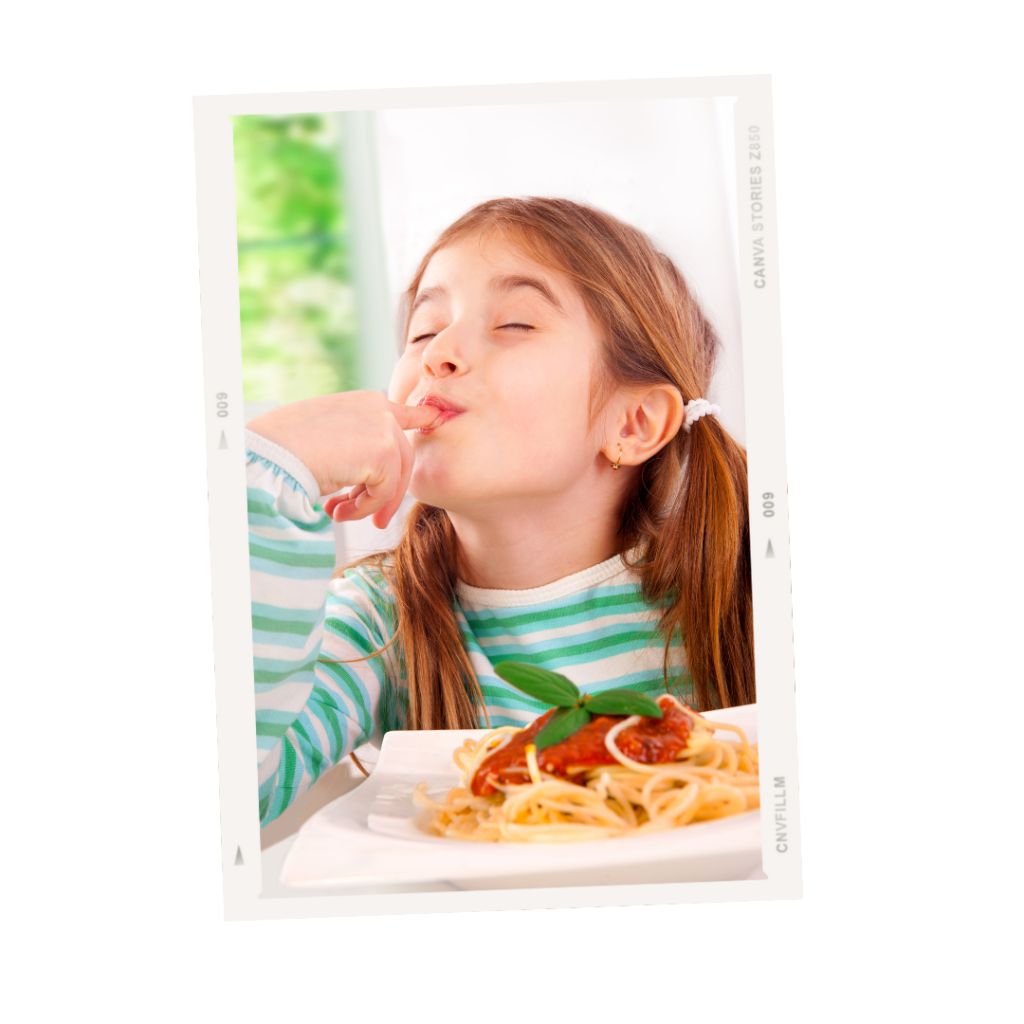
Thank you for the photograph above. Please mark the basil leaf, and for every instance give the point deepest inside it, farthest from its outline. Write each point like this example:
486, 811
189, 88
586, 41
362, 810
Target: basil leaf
624, 702
539, 683
562, 724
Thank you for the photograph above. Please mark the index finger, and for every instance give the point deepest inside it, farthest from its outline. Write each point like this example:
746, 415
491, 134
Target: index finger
414, 417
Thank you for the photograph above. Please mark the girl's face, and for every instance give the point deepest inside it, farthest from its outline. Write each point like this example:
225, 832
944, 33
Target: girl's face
508, 350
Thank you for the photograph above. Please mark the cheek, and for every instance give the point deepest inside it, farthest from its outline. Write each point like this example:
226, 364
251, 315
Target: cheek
539, 439
403, 380
550, 405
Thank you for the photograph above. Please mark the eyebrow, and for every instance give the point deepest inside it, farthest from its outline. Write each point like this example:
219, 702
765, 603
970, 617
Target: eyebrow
503, 285
511, 282
428, 295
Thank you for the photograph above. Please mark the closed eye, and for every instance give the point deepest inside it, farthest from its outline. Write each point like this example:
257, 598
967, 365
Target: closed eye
516, 327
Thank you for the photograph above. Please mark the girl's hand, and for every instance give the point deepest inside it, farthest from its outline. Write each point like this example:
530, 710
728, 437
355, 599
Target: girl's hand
352, 439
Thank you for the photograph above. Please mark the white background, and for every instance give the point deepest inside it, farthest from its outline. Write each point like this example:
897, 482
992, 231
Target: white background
898, 162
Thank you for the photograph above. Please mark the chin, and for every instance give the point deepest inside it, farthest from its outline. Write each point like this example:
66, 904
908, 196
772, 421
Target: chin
444, 495
428, 491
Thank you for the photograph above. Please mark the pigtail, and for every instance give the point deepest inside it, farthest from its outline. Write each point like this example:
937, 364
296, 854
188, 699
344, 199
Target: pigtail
443, 691
443, 688
700, 559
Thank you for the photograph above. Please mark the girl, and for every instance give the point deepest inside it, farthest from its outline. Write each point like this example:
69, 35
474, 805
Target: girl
580, 507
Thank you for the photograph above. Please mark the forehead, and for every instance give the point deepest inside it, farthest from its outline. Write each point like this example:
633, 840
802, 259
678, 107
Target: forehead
485, 264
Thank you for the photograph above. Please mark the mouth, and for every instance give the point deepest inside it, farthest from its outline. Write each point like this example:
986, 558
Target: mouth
446, 409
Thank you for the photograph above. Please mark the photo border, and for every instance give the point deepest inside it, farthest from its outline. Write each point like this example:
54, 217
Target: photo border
229, 555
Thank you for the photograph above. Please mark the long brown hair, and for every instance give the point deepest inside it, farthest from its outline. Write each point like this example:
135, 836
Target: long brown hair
686, 514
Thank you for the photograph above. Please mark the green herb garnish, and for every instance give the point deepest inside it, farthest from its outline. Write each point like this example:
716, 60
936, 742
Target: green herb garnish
574, 708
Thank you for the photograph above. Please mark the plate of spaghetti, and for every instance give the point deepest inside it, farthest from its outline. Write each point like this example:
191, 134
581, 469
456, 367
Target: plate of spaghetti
616, 776
669, 800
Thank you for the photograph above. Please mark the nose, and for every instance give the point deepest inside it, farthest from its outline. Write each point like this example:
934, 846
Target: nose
445, 354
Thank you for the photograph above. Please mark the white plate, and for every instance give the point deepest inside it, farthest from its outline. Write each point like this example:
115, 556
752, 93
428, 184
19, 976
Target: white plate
367, 837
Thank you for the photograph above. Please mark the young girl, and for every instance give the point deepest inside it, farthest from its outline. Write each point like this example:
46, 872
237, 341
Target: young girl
580, 506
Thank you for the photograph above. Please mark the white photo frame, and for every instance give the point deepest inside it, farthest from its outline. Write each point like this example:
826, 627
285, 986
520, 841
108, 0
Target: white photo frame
247, 893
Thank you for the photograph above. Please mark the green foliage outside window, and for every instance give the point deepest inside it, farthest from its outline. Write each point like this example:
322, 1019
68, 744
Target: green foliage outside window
296, 298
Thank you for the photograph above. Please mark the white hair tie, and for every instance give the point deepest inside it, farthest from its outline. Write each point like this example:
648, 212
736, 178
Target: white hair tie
697, 408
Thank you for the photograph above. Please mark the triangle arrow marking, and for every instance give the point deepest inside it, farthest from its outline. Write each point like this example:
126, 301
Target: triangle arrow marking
238, 859
770, 553
223, 440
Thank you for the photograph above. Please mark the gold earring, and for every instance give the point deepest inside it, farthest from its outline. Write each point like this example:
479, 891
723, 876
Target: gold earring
615, 464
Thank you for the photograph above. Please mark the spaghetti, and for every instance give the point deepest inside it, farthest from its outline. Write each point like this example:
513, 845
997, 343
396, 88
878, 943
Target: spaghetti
679, 773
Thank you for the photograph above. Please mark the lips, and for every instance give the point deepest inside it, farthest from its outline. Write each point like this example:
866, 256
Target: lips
446, 409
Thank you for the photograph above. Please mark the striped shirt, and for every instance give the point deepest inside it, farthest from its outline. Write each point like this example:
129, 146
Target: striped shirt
311, 710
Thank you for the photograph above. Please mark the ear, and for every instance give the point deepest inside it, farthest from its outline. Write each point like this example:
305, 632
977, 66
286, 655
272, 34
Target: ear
648, 421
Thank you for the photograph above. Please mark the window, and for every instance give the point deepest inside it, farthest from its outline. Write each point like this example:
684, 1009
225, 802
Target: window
297, 301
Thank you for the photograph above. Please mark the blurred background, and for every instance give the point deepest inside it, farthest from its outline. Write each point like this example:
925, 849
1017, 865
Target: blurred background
334, 213
294, 274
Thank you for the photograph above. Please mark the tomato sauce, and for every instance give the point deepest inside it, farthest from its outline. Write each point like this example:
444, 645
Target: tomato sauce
649, 741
